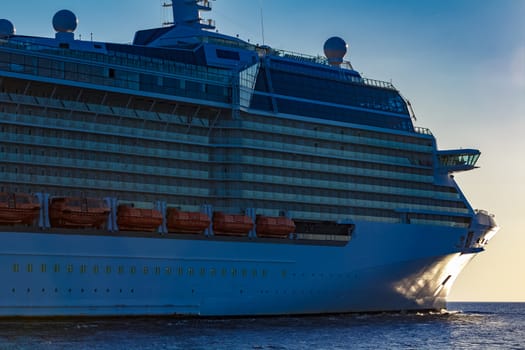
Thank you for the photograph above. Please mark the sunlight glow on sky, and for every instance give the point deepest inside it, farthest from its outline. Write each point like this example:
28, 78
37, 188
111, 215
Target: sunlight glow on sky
461, 63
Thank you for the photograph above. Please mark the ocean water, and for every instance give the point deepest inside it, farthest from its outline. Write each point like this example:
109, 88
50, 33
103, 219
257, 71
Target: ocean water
465, 326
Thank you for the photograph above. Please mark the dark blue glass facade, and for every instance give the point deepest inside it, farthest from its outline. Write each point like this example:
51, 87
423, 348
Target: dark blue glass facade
332, 99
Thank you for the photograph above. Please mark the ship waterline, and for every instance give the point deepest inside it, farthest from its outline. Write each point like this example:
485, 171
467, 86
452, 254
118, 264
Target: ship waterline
193, 173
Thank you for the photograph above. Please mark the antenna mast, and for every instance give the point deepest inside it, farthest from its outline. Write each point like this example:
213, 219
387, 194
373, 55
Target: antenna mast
165, 6
262, 24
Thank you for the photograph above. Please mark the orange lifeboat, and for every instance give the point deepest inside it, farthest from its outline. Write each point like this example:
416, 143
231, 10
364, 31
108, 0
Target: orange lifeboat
187, 222
279, 227
76, 212
137, 219
18, 208
231, 224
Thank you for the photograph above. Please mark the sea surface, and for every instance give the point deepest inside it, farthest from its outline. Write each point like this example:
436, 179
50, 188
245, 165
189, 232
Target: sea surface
464, 326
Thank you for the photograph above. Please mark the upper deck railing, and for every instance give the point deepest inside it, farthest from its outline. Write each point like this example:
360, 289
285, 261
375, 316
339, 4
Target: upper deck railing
300, 56
324, 61
423, 131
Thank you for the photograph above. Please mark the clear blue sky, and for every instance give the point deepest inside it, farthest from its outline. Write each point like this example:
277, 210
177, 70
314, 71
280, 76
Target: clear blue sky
460, 62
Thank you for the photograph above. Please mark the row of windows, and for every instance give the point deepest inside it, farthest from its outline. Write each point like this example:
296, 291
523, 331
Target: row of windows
117, 124
329, 129
70, 290
62, 164
294, 161
40, 174
333, 143
114, 77
314, 88
119, 144
144, 270
104, 160
326, 149
332, 134
64, 102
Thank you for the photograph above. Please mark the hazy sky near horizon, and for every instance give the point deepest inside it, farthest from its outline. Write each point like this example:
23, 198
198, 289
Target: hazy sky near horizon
461, 63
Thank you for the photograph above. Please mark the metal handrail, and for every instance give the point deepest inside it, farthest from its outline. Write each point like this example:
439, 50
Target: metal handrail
424, 131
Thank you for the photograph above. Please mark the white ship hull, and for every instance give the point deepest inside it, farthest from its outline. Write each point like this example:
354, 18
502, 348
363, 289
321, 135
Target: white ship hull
383, 268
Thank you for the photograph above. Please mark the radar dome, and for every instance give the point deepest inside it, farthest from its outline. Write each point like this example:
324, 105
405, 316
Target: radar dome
65, 21
6, 28
335, 49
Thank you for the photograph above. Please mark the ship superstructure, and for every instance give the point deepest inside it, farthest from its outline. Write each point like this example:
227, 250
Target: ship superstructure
195, 173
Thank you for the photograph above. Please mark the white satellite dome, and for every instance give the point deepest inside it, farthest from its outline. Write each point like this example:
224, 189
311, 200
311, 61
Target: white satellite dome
65, 21
6, 28
335, 49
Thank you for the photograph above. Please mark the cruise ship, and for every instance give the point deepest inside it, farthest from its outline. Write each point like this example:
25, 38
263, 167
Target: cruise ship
193, 173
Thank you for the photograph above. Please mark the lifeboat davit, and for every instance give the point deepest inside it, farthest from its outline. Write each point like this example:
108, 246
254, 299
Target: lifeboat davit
77, 212
231, 224
187, 222
130, 218
278, 227
18, 208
